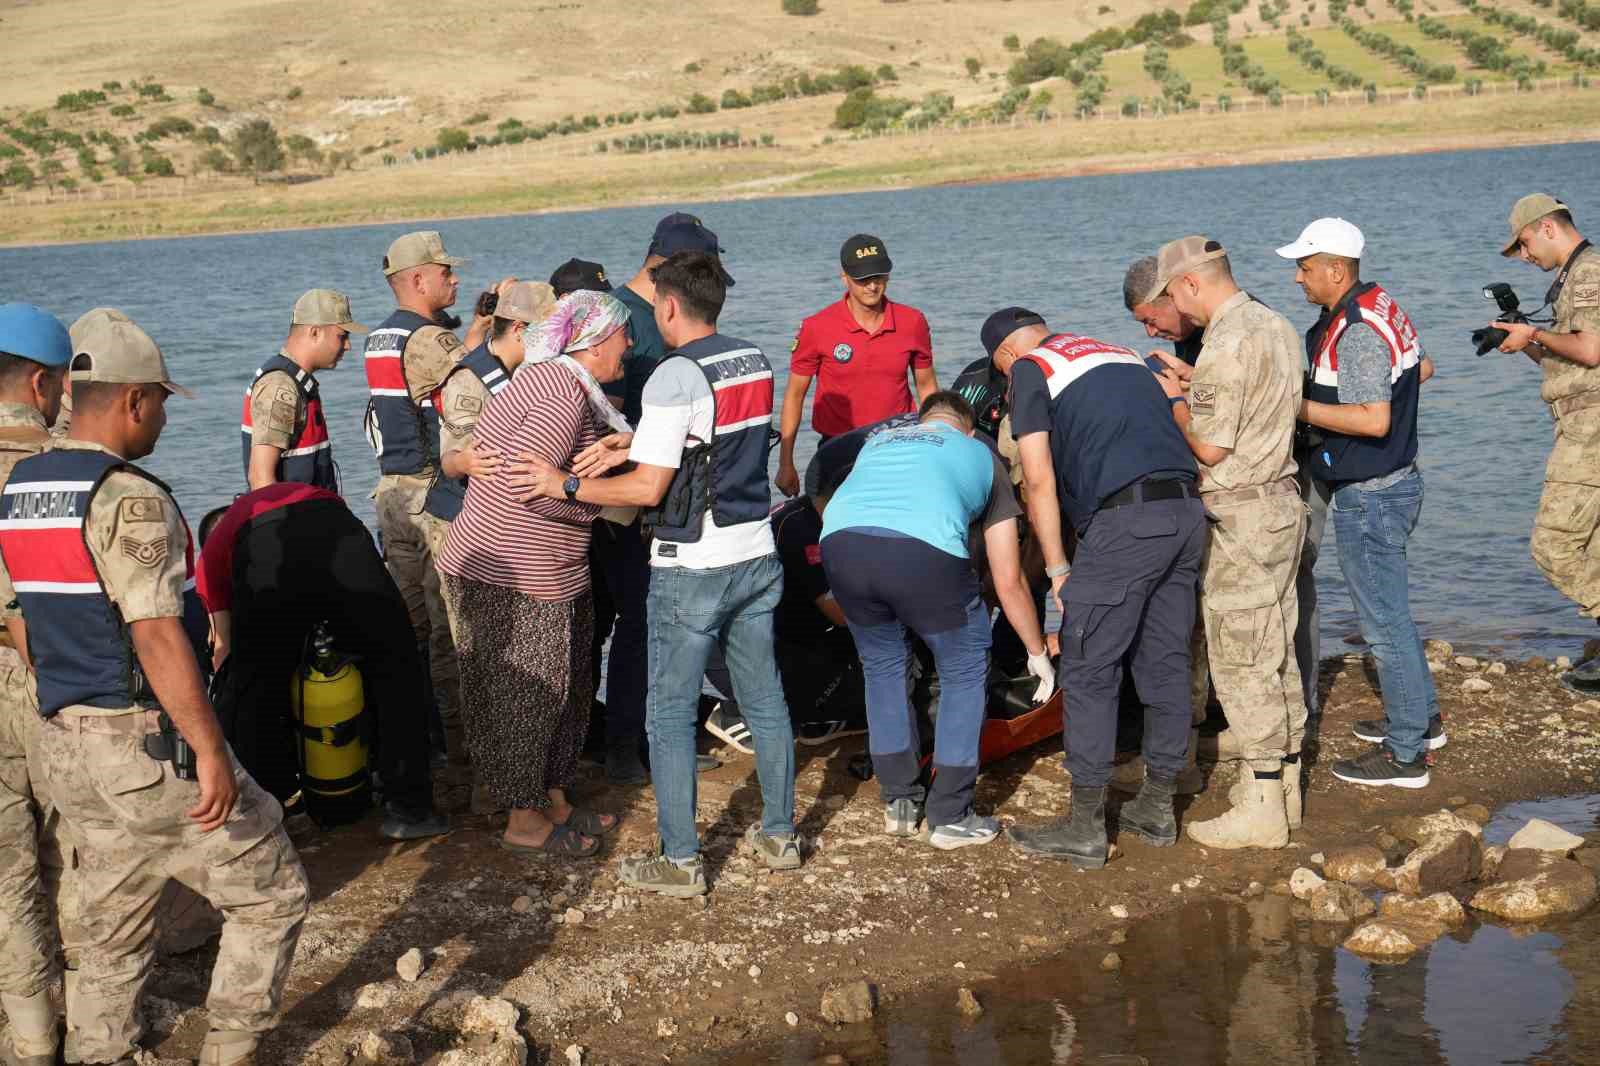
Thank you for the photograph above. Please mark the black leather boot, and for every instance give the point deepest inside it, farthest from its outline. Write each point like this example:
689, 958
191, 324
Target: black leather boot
1149, 814
1080, 838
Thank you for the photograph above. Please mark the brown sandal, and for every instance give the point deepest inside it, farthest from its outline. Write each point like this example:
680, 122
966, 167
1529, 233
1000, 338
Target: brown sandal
563, 842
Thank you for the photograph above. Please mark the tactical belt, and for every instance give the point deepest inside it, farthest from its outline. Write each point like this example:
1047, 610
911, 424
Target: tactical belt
1147, 491
1580, 402
1284, 486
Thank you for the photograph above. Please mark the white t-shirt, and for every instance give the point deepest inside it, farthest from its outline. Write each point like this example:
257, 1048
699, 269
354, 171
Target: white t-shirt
677, 411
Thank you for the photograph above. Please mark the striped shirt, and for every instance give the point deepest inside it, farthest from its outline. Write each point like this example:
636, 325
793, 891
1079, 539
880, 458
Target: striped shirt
539, 548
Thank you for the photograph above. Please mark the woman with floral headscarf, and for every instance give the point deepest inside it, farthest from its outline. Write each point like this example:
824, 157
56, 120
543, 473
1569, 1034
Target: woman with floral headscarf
517, 577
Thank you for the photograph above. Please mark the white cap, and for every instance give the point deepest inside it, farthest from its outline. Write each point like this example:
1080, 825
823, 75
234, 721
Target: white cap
1327, 236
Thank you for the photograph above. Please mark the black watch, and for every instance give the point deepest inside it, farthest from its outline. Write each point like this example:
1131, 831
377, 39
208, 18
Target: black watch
570, 486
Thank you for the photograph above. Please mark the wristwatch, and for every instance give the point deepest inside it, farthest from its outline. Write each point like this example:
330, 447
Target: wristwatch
570, 486
1173, 401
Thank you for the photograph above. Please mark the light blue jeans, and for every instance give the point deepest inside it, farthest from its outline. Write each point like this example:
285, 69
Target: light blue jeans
690, 612
1372, 527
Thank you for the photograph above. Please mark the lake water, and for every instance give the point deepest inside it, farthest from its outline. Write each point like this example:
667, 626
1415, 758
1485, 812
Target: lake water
1434, 225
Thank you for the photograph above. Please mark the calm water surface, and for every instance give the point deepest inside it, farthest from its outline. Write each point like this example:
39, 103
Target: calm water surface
220, 305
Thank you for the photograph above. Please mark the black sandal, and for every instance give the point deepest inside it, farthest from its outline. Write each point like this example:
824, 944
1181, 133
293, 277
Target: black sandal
563, 842
589, 824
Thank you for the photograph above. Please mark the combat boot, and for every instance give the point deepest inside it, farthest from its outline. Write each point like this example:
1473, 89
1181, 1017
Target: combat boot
1256, 820
1293, 790
1149, 815
1079, 838
31, 1038
1130, 776
228, 1048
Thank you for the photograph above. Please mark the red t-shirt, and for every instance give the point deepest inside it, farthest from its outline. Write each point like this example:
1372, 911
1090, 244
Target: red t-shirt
213, 578
861, 376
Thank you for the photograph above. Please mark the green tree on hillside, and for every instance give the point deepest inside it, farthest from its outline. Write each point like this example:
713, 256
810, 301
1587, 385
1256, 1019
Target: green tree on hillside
255, 145
799, 7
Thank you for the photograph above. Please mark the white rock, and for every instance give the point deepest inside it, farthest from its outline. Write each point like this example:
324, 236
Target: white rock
1496, 669
375, 996
574, 1055
385, 1049
755, 971
1303, 882
410, 965
1318, 858
487, 1014
666, 1027
1435, 666
1563, 663
1466, 662
1118, 911
573, 916
1541, 835
792, 1019
522, 904
1476, 684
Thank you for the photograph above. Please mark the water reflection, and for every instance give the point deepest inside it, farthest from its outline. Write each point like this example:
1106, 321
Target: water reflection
1221, 982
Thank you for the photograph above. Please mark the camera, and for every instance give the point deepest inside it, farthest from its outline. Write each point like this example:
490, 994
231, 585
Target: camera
1489, 338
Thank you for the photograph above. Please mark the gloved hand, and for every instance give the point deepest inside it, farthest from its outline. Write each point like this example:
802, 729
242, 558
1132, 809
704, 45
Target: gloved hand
1039, 666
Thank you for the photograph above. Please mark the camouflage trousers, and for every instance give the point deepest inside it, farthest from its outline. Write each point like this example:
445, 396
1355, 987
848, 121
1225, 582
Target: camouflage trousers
1566, 529
409, 534
38, 896
127, 815
1247, 597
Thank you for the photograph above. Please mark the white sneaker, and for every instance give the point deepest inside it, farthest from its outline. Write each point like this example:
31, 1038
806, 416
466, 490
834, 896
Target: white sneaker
730, 729
973, 829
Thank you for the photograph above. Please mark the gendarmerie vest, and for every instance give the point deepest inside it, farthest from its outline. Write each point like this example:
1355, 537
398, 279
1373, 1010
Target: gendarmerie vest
728, 474
404, 434
1342, 458
447, 494
81, 649
309, 456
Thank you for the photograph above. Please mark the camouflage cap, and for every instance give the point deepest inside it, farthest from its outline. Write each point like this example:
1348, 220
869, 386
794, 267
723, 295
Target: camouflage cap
526, 301
108, 346
1525, 212
418, 249
326, 307
1177, 258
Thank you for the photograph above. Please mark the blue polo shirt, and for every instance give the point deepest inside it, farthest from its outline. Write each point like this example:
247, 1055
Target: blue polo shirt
1109, 421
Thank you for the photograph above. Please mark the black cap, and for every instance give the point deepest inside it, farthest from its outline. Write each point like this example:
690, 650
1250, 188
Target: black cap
689, 237
865, 256
1003, 323
576, 274
677, 218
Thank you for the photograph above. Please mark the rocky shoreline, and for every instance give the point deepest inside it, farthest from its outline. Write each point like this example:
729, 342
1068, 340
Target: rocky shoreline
505, 961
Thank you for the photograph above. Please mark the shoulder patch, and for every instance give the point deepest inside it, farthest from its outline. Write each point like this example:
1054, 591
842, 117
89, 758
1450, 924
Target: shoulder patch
1202, 397
142, 509
147, 553
284, 395
468, 404
282, 416
449, 341
1586, 295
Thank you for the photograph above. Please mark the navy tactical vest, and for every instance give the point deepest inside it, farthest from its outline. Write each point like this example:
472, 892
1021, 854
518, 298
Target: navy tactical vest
404, 434
1341, 458
447, 494
81, 649
726, 475
309, 457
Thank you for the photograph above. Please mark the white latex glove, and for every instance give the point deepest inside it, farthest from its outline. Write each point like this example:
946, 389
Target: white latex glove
1039, 666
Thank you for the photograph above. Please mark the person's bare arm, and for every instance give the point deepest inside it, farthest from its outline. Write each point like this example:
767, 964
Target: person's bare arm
19, 639
927, 382
1426, 370
1351, 419
1010, 586
1044, 510
221, 637
1209, 454
794, 401
263, 465
830, 609
475, 460
1581, 347
168, 662
645, 485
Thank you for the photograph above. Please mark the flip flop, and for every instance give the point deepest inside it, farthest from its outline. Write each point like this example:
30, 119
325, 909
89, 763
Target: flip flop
561, 843
589, 824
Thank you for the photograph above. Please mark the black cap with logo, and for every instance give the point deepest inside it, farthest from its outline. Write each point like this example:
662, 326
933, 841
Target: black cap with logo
578, 274
865, 256
1003, 323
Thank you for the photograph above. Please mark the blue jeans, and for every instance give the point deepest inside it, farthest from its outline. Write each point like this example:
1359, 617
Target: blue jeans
1372, 527
690, 612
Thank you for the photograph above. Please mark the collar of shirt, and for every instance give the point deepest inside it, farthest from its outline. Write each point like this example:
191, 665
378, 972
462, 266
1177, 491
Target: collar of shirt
848, 320
1231, 304
74, 444
21, 414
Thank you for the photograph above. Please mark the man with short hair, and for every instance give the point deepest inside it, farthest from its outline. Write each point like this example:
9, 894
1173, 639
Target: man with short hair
407, 359
102, 563
1099, 451
1564, 544
700, 467
1367, 366
285, 435
896, 548
1238, 417
34, 879
859, 350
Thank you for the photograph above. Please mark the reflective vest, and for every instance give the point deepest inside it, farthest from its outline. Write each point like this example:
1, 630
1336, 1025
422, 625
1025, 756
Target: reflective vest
447, 494
309, 456
726, 475
404, 434
1341, 458
81, 649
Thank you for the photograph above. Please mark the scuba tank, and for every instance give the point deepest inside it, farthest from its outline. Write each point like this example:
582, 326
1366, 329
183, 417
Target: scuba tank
329, 708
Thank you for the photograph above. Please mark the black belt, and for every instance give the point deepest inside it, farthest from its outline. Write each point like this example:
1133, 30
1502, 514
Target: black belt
1147, 491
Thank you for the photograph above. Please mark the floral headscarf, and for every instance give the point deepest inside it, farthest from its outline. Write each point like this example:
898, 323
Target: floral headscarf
581, 320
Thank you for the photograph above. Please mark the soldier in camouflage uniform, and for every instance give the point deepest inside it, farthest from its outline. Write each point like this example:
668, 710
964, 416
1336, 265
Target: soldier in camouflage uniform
1243, 399
101, 562
1564, 543
34, 352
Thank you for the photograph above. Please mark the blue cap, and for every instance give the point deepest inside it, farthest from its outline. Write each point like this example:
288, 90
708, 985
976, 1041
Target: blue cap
690, 237
34, 334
